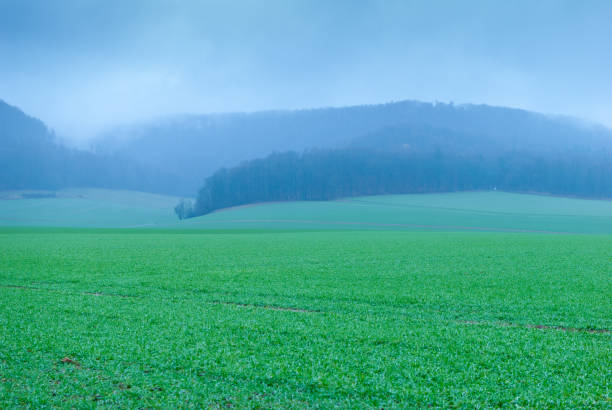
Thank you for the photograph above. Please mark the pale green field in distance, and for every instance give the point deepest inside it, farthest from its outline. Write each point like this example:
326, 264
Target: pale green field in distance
468, 211
83, 207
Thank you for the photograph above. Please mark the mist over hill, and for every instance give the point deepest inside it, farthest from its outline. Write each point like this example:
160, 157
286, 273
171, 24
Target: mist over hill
193, 147
177, 154
32, 157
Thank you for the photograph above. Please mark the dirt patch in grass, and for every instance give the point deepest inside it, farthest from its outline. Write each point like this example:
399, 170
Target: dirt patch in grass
532, 326
68, 360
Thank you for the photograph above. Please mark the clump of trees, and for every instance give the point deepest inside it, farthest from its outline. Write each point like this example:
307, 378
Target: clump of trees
184, 209
331, 174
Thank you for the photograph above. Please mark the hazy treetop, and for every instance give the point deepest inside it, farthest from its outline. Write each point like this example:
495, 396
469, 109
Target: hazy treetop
82, 65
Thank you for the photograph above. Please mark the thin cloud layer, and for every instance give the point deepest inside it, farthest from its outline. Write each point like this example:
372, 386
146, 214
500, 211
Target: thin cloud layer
83, 66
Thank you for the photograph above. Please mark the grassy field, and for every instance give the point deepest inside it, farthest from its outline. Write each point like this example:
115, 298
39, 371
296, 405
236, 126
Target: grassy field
86, 208
472, 211
388, 302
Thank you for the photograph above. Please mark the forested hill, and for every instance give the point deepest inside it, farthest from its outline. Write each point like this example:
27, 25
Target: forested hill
32, 158
338, 173
195, 146
176, 155
29, 154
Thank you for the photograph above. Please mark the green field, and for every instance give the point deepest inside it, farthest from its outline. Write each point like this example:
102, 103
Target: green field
472, 211
87, 208
401, 301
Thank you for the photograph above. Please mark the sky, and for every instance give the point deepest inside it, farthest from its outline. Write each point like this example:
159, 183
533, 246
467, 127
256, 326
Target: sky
84, 66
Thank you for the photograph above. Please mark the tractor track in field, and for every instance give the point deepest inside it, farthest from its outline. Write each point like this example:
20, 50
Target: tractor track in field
301, 310
533, 326
64, 291
216, 302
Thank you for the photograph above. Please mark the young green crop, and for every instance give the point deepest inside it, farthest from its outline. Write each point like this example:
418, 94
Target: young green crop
304, 319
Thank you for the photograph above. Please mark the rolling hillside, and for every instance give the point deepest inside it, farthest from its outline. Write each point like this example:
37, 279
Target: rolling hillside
32, 157
194, 146
86, 208
175, 156
467, 211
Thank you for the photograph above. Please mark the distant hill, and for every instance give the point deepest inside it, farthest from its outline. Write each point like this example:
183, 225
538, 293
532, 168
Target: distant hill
31, 157
195, 146
177, 154
28, 151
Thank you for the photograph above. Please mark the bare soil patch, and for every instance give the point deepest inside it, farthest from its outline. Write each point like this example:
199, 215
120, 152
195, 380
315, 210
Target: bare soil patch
70, 361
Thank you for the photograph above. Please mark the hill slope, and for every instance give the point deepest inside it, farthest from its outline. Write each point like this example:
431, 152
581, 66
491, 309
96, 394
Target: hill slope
195, 146
86, 208
468, 211
31, 157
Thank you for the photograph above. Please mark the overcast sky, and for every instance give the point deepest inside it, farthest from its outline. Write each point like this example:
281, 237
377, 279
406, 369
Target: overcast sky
83, 65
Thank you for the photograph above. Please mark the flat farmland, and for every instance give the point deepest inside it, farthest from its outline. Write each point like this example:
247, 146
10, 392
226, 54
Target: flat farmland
298, 318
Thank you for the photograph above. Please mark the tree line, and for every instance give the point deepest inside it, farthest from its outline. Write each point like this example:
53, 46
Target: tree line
317, 175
